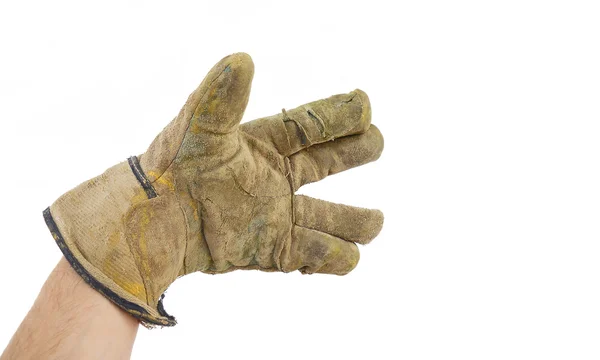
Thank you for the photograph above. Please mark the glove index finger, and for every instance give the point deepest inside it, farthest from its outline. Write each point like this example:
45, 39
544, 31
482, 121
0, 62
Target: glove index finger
314, 123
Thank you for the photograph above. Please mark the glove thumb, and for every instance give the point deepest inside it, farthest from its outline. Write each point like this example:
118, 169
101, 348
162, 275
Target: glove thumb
215, 108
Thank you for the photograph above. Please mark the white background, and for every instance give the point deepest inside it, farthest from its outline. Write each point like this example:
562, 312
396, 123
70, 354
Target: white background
489, 180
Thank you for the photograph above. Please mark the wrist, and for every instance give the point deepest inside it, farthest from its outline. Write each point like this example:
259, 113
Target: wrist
88, 224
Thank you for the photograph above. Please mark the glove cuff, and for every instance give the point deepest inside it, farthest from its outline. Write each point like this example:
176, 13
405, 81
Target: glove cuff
87, 225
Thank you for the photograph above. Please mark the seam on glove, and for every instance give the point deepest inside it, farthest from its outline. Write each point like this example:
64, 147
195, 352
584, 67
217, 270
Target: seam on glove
304, 138
134, 164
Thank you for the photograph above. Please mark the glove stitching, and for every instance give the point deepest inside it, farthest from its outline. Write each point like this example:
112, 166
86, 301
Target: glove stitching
141, 177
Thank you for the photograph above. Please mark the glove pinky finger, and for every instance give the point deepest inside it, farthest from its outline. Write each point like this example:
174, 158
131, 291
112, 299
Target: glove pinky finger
311, 251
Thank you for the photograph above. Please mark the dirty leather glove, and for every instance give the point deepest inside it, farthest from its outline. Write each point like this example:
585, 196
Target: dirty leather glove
212, 195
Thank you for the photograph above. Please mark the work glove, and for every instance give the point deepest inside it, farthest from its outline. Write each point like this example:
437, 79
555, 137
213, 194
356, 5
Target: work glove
212, 195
